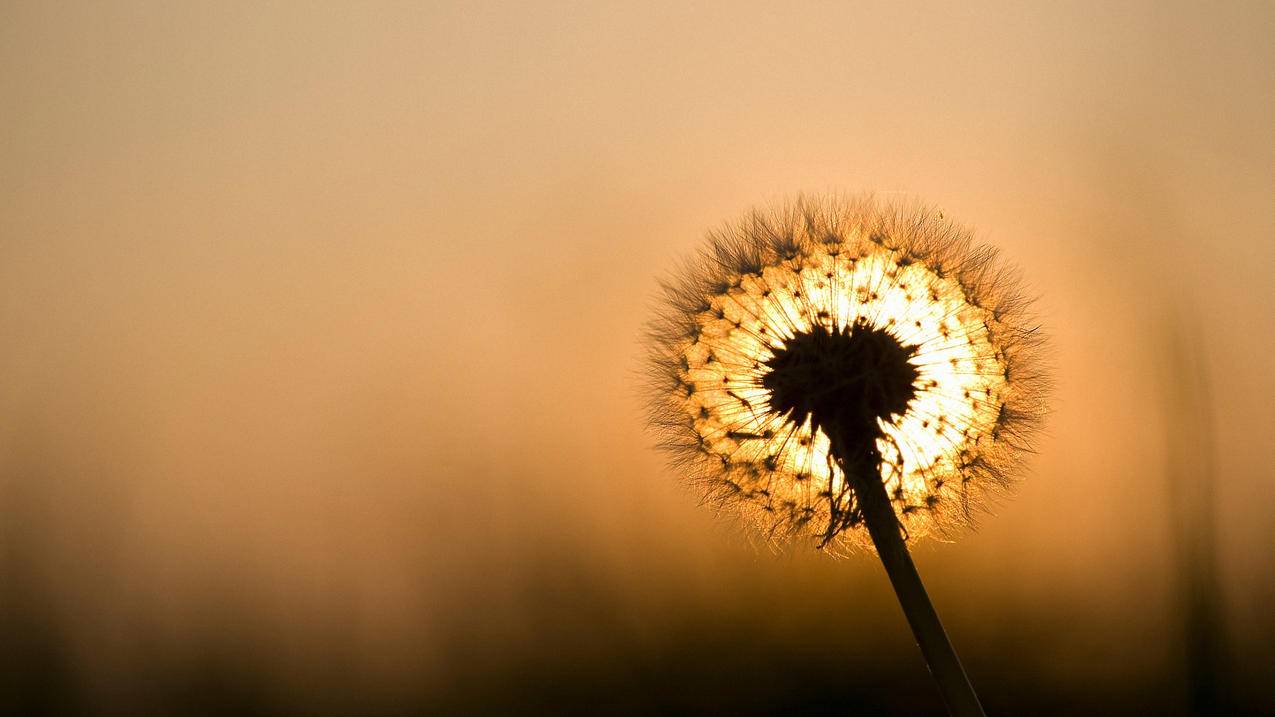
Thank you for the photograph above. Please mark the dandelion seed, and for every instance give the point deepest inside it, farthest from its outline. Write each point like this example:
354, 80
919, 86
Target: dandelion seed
848, 373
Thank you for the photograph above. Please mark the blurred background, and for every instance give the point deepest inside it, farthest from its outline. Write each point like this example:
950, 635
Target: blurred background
320, 331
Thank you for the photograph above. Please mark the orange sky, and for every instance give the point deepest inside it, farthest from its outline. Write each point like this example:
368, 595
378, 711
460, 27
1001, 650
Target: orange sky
329, 318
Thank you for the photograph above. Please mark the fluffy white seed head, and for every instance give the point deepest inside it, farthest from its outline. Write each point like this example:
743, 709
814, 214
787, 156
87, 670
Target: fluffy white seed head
785, 280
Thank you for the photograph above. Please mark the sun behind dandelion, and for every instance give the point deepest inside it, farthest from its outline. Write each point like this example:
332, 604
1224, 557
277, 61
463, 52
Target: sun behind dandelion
850, 321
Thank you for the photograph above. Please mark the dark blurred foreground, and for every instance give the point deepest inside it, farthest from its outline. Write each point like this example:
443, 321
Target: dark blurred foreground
579, 653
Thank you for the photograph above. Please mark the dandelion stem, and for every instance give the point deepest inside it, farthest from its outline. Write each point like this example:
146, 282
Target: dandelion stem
940, 656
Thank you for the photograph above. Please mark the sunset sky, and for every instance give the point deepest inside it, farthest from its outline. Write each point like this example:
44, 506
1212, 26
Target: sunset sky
320, 336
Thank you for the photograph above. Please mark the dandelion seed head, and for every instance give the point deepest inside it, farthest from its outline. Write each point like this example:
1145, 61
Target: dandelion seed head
835, 317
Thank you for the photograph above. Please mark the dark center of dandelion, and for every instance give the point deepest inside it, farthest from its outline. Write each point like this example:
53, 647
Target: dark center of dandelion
843, 380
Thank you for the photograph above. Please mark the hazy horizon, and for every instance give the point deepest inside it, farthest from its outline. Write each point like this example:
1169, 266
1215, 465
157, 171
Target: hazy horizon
321, 327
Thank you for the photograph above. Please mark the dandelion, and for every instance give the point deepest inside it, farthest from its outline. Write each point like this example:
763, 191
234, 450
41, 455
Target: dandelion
851, 374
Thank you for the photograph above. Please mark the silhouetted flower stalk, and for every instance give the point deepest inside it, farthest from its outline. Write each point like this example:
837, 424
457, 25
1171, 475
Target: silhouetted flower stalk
850, 373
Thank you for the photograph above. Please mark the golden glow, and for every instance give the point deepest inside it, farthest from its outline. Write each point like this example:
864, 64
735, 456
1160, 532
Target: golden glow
782, 467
